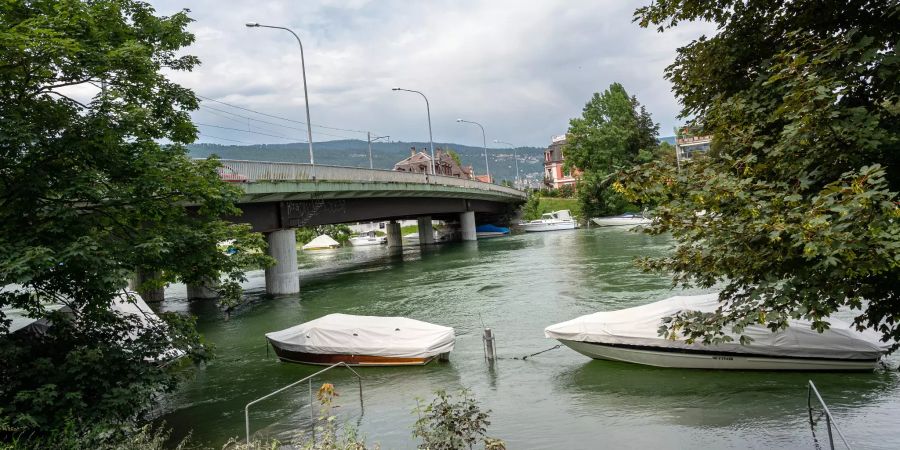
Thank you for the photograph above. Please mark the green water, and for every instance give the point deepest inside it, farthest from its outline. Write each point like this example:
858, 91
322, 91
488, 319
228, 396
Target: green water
560, 399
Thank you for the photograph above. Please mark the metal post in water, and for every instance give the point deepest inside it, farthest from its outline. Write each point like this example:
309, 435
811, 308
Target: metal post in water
490, 350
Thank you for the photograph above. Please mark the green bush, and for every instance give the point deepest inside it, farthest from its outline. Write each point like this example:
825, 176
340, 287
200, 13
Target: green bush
449, 423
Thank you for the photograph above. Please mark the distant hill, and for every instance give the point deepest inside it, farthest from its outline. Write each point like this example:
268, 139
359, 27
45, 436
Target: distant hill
669, 139
354, 153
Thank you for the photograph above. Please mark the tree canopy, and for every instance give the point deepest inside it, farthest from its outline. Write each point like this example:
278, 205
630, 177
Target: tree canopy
613, 133
88, 195
794, 208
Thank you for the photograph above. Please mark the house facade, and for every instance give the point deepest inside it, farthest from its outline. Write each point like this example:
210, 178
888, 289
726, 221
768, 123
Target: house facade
555, 173
420, 162
689, 144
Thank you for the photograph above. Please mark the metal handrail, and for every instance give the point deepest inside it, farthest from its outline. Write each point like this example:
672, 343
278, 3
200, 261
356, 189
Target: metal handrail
309, 379
829, 419
286, 171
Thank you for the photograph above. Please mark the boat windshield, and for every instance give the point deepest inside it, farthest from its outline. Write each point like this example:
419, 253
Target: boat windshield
547, 217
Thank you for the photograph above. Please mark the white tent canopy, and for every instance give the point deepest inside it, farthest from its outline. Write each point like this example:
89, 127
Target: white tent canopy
345, 334
323, 241
638, 327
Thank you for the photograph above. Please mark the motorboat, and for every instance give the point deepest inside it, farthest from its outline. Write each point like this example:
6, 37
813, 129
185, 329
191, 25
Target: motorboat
557, 220
630, 335
490, 231
627, 219
363, 341
322, 242
369, 238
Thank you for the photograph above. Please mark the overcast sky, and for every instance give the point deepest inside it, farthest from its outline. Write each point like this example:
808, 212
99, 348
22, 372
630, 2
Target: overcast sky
521, 69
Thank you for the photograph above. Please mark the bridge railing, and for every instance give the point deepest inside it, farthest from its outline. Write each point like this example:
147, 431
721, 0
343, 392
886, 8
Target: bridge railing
253, 171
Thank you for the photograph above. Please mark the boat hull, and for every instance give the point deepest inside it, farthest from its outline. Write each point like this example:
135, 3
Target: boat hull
490, 234
366, 242
538, 227
679, 358
318, 359
619, 222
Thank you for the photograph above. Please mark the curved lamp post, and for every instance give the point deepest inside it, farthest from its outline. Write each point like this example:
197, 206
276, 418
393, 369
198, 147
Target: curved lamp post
515, 158
428, 110
484, 141
312, 159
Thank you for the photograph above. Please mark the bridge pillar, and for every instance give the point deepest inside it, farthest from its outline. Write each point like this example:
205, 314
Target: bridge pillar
149, 295
393, 234
203, 291
426, 231
283, 277
467, 226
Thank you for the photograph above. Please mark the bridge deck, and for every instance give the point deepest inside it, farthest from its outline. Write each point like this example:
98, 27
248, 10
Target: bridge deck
301, 180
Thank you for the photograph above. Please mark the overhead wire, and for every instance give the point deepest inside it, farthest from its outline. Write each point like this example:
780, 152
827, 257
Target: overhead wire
278, 117
211, 109
222, 139
292, 139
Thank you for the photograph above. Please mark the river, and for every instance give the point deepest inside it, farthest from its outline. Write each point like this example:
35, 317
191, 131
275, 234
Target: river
560, 399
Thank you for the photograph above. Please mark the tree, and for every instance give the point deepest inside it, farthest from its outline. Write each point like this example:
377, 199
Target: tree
455, 157
614, 132
88, 195
794, 209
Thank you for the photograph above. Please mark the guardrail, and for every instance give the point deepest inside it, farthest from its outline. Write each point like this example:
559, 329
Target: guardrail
312, 412
829, 419
254, 171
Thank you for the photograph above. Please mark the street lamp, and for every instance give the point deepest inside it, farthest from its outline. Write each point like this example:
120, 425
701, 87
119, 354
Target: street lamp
371, 140
484, 141
309, 137
428, 110
515, 158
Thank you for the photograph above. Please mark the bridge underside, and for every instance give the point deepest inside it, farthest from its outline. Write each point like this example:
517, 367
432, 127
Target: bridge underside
277, 205
279, 215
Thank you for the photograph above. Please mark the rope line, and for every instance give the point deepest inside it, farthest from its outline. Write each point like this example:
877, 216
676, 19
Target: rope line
538, 353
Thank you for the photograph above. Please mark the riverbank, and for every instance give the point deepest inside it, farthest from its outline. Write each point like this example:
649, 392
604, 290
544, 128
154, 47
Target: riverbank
560, 399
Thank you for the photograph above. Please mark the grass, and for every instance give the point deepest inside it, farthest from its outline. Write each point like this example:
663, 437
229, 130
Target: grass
550, 204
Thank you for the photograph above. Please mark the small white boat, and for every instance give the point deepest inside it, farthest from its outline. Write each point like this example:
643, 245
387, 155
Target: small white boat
369, 238
627, 219
556, 220
363, 341
630, 335
322, 242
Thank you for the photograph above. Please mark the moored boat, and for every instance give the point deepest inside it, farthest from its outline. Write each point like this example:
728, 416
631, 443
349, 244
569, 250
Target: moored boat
627, 219
630, 335
363, 341
369, 238
490, 231
322, 242
556, 220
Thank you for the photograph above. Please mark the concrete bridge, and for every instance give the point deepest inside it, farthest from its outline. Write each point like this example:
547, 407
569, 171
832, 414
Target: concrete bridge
280, 197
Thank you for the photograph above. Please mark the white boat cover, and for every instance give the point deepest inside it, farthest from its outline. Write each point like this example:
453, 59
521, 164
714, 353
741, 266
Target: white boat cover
345, 334
638, 327
323, 241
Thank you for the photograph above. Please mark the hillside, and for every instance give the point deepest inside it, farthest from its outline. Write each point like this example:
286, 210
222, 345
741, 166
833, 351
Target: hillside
354, 153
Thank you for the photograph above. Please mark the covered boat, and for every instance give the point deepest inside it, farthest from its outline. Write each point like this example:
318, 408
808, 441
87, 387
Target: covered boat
627, 219
630, 335
556, 220
363, 341
490, 231
321, 243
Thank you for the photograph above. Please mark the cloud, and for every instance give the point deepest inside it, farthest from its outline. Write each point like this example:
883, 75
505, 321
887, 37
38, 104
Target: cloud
522, 69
